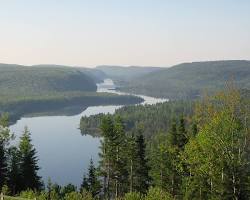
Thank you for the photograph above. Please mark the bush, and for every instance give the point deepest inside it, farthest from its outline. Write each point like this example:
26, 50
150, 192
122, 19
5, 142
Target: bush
157, 194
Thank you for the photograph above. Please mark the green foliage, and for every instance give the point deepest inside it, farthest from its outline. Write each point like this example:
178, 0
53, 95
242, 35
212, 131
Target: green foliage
224, 132
153, 118
28, 163
51, 89
19, 80
5, 138
14, 174
133, 196
29, 194
189, 80
91, 182
142, 179
157, 194
73, 196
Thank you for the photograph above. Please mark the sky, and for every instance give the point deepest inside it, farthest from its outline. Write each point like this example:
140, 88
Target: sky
123, 32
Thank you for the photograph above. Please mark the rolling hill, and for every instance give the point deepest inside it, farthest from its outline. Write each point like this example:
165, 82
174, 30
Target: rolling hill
43, 88
120, 74
19, 80
189, 80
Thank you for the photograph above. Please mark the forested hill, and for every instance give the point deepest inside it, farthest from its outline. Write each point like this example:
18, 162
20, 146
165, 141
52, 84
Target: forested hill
19, 80
97, 75
44, 88
119, 73
189, 80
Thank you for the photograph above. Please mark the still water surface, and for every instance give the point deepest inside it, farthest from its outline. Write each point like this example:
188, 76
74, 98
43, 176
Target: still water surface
63, 152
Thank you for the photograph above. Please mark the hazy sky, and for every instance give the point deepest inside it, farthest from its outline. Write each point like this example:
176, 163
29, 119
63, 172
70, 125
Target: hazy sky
123, 32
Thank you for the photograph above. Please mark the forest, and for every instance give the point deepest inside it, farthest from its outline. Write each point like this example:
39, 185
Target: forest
189, 80
26, 90
202, 152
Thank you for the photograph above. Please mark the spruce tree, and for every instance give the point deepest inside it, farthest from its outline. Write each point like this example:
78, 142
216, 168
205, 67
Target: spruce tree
131, 155
121, 158
28, 163
92, 180
3, 165
14, 176
181, 134
5, 137
84, 185
142, 178
107, 155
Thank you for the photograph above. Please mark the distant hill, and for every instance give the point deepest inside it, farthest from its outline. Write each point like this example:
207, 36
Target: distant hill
119, 73
189, 80
97, 75
26, 90
19, 80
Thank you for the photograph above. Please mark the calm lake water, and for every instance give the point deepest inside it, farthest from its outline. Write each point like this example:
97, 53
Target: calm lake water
63, 152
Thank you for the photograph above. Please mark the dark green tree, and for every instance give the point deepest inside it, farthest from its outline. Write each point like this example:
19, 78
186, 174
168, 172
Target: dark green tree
107, 156
5, 137
92, 180
14, 176
28, 163
182, 138
142, 178
84, 184
68, 189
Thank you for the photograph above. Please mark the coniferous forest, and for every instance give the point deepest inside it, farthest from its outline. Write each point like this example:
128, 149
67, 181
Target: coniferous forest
202, 153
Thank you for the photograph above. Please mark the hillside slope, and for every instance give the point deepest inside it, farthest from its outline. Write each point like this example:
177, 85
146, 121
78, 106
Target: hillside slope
189, 80
119, 73
16, 80
52, 88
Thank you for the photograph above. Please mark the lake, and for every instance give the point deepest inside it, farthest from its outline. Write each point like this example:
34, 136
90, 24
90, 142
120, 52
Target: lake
63, 153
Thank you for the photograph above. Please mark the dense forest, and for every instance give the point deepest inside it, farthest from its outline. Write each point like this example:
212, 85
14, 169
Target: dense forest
190, 80
201, 153
27, 90
153, 118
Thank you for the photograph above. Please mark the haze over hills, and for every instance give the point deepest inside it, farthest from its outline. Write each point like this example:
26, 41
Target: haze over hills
189, 80
43, 88
121, 73
22, 80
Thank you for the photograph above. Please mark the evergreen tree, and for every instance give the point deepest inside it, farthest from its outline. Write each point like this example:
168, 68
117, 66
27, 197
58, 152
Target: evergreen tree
3, 165
131, 155
85, 184
93, 184
5, 137
142, 178
28, 163
121, 159
182, 138
113, 161
107, 156
14, 176
160, 161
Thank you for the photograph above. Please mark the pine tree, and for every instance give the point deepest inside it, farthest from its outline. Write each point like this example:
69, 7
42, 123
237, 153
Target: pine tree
28, 163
